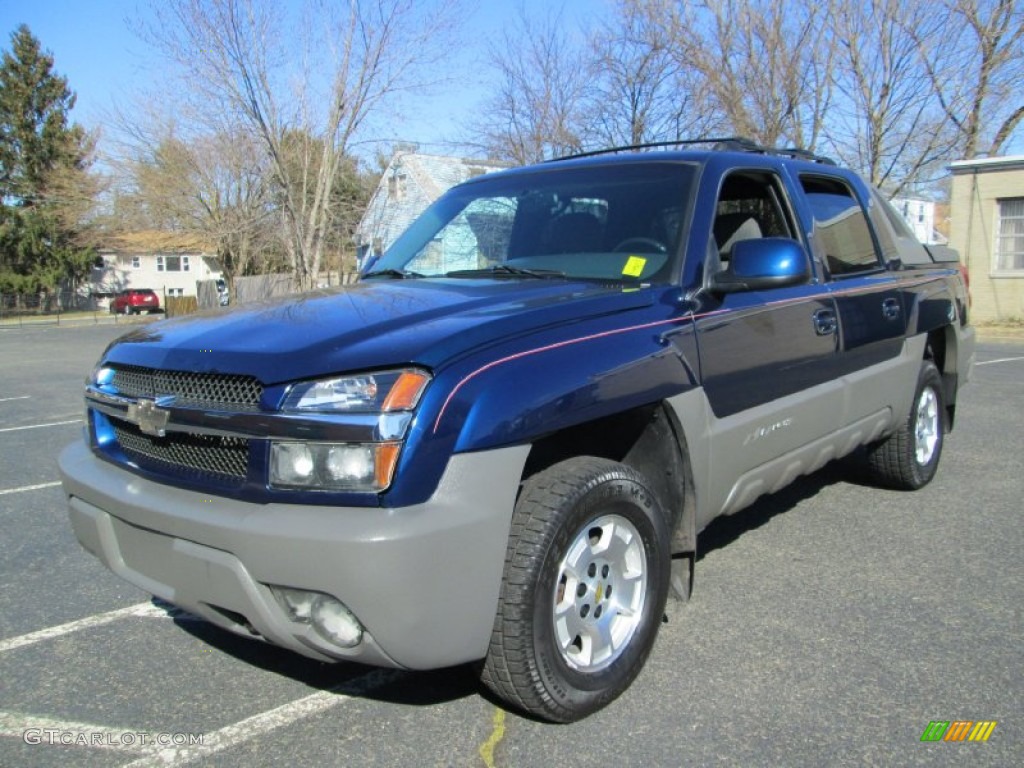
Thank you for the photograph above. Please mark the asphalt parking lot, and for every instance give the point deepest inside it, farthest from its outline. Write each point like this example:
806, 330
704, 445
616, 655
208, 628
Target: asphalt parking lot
831, 623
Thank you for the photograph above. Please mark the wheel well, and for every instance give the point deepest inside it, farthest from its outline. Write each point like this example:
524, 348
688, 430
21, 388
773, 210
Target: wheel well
941, 350
649, 440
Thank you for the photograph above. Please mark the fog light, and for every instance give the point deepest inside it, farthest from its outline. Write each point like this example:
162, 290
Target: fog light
298, 602
328, 616
335, 623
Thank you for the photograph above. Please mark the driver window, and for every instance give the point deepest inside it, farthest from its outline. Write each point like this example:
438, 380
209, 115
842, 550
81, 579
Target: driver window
749, 206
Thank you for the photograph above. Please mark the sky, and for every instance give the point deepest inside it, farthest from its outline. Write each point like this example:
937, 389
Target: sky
105, 63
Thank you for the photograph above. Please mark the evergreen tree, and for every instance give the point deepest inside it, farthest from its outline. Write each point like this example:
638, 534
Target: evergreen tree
43, 180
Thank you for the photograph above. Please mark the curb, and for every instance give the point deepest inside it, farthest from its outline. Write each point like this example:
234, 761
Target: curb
1005, 336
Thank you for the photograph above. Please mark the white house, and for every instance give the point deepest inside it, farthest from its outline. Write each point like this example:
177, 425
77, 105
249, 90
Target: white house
167, 263
920, 215
409, 184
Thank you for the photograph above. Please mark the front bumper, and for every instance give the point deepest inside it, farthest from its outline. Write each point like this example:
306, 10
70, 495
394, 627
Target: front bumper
422, 580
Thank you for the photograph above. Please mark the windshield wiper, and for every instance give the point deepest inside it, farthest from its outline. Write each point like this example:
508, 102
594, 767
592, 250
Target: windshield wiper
398, 274
504, 270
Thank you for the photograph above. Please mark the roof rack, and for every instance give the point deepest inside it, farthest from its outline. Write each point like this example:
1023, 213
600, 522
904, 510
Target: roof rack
724, 144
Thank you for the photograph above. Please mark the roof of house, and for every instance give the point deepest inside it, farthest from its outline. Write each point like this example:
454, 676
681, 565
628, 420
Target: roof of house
156, 241
1008, 163
426, 178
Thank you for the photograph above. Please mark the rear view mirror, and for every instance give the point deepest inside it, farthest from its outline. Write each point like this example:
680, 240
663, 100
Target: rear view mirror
761, 264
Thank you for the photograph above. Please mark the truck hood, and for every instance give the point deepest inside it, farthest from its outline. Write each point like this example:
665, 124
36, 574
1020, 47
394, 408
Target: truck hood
370, 325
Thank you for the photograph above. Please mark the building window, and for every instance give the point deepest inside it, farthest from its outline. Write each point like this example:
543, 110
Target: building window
396, 186
174, 292
173, 263
1010, 235
184, 264
136, 262
159, 263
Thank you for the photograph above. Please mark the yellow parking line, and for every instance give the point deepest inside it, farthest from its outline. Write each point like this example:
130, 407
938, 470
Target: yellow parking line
497, 734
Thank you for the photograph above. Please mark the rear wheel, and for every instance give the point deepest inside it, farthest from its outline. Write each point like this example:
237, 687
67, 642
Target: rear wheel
908, 459
586, 577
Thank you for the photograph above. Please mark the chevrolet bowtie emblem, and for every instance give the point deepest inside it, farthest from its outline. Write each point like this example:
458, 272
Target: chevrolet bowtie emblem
149, 417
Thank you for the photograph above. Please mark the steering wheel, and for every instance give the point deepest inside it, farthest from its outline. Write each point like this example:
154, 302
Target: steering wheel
630, 242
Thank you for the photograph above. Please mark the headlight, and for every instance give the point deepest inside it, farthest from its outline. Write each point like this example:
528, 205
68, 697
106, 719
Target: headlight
333, 466
366, 393
357, 466
101, 376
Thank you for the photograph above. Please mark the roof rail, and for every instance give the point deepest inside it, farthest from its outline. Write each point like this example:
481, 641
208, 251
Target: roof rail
723, 144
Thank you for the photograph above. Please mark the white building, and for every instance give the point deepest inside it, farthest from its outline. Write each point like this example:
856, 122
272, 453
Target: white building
920, 215
168, 264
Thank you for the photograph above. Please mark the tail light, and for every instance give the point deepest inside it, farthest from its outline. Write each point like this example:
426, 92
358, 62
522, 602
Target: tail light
967, 281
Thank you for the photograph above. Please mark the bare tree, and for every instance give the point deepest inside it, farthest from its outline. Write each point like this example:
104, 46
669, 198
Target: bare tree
275, 72
767, 64
212, 187
535, 113
977, 69
885, 120
641, 93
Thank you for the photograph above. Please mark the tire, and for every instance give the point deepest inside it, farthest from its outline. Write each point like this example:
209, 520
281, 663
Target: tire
583, 593
907, 460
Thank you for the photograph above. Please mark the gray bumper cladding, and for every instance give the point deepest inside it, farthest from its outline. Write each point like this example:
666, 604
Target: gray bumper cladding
423, 581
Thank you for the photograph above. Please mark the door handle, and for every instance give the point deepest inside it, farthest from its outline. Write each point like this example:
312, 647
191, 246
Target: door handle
891, 309
825, 322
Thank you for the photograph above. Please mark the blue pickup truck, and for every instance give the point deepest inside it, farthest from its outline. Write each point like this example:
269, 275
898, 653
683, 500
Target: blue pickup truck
500, 446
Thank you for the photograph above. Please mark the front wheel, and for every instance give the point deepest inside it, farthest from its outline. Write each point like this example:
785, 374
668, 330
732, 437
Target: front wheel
908, 459
586, 577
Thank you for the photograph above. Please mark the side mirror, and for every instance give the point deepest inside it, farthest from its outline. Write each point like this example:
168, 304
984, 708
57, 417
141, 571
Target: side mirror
761, 264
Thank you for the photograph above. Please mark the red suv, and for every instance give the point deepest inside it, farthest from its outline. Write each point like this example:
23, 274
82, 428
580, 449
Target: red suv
135, 300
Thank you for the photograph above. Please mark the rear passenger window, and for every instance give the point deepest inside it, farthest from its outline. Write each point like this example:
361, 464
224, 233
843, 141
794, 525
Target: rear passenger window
840, 226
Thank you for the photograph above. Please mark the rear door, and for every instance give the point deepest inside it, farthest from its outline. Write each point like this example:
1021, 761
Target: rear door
868, 296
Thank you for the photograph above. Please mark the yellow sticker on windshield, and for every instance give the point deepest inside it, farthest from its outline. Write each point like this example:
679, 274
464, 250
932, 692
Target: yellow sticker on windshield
634, 266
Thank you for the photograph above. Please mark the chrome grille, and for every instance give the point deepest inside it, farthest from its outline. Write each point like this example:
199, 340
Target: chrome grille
210, 455
205, 390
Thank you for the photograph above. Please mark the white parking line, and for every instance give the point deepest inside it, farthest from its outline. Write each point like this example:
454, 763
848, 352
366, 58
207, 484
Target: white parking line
265, 722
19, 397
150, 746
150, 750
24, 488
139, 609
40, 426
1000, 360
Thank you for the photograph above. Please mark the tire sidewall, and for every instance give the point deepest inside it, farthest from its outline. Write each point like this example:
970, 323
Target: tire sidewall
929, 378
582, 692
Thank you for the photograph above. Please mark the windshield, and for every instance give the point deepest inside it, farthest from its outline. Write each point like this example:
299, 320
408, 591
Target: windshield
610, 222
